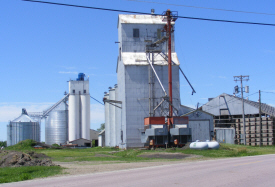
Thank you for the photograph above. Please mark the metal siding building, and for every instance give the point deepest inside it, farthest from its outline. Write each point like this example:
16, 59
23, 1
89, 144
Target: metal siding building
133, 77
138, 93
227, 111
201, 124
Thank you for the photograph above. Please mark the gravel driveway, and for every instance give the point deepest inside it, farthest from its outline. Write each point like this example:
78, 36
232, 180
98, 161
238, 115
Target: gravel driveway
84, 167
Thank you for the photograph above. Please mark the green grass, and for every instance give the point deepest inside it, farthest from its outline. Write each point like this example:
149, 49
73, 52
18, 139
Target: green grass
22, 146
228, 150
115, 155
14, 174
131, 155
93, 154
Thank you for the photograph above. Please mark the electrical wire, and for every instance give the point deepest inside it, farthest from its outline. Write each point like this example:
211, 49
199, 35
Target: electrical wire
207, 8
134, 12
268, 92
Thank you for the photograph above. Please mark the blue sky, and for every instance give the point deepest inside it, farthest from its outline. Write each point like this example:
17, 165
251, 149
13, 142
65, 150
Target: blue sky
43, 46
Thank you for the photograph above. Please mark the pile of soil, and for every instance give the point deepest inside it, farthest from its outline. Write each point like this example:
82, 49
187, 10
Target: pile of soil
18, 159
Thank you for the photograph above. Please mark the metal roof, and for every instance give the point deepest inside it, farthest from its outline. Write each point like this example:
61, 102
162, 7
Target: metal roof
129, 58
141, 19
267, 109
187, 114
24, 118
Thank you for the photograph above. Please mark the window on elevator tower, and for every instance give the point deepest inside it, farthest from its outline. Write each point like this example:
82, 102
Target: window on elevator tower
136, 33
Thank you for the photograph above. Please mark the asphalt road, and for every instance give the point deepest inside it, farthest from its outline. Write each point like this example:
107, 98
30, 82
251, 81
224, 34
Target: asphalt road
244, 171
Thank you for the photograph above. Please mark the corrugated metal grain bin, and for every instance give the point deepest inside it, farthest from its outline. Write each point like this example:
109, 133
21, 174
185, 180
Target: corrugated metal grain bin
56, 126
22, 128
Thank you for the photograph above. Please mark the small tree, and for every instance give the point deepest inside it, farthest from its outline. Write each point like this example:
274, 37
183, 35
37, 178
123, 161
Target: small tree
102, 127
3, 143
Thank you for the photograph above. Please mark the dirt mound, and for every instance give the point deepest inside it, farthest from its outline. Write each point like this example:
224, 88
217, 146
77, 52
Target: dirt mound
18, 159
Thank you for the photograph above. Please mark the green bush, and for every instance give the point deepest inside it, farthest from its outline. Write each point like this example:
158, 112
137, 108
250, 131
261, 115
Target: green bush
23, 145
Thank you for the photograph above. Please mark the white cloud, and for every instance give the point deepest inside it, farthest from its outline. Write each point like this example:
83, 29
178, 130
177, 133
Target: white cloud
222, 77
10, 111
67, 67
68, 72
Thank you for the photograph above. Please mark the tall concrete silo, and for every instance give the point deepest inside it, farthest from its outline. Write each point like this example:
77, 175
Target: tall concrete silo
112, 117
79, 108
107, 119
56, 125
22, 128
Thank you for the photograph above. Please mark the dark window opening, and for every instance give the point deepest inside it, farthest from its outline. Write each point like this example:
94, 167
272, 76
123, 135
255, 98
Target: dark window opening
120, 53
87, 144
73, 91
159, 33
84, 91
136, 33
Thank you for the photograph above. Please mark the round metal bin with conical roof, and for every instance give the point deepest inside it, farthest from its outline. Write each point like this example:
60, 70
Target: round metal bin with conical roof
56, 125
22, 128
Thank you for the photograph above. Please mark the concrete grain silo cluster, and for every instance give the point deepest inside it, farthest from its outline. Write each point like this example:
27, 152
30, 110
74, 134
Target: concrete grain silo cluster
64, 122
79, 108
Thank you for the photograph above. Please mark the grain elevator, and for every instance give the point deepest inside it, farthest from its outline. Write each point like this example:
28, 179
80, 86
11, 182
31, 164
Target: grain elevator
142, 82
79, 108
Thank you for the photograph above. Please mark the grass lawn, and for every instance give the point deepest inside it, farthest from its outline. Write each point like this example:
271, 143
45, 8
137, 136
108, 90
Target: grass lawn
14, 174
131, 155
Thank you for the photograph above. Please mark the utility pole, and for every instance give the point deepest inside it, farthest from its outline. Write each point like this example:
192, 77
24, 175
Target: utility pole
168, 14
241, 79
260, 115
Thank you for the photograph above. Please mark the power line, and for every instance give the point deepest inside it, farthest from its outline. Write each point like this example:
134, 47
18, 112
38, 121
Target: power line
134, 12
268, 92
207, 8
